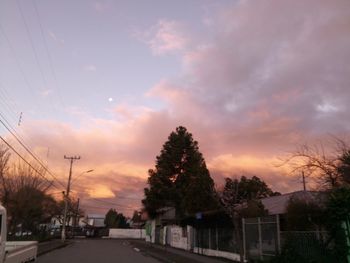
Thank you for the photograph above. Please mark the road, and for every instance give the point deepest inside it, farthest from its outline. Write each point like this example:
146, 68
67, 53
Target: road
97, 251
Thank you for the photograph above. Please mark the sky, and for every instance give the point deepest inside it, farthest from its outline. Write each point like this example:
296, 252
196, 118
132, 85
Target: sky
109, 80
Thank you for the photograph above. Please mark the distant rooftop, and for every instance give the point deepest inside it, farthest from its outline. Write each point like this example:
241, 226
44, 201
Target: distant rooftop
278, 204
95, 216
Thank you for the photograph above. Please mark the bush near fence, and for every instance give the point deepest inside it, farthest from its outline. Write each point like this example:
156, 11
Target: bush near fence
305, 247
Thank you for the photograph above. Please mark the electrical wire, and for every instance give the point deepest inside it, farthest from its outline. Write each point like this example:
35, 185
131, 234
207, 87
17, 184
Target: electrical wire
100, 207
108, 203
31, 43
28, 163
121, 197
47, 51
16, 58
29, 151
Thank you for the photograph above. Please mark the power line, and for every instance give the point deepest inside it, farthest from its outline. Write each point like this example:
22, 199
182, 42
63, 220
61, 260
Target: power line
100, 207
11, 114
15, 56
77, 177
47, 50
121, 197
129, 198
17, 117
6, 94
110, 203
6, 98
29, 151
18, 64
31, 43
28, 163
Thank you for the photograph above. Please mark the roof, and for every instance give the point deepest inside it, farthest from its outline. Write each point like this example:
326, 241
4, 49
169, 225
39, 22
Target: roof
278, 204
95, 216
166, 213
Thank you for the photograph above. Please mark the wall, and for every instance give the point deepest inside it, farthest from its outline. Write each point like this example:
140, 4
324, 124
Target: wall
217, 253
127, 233
178, 237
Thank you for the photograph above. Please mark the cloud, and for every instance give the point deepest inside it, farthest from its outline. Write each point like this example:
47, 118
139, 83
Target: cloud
90, 67
228, 165
46, 92
275, 74
101, 6
55, 38
167, 36
100, 191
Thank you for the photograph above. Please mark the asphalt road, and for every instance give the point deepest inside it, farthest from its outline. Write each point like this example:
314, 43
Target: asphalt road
97, 251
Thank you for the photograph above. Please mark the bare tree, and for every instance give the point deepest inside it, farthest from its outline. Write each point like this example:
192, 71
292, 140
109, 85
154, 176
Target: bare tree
24, 193
4, 167
230, 199
74, 212
319, 162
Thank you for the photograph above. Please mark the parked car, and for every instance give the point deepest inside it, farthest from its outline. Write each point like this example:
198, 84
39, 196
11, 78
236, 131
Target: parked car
15, 251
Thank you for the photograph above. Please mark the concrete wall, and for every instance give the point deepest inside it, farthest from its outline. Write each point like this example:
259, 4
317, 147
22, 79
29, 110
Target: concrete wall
127, 233
217, 253
153, 235
178, 237
182, 238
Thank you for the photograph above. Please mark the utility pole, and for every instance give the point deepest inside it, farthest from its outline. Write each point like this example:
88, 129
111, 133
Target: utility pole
66, 196
304, 182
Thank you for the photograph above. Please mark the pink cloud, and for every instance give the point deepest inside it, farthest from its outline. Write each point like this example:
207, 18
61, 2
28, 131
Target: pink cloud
167, 36
268, 80
101, 6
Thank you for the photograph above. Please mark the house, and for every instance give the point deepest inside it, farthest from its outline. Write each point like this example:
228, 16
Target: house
95, 225
208, 233
277, 205
264, 237
154, 227
56, 222
95, 220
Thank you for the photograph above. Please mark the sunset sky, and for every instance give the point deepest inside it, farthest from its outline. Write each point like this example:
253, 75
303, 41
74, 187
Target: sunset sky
109, 80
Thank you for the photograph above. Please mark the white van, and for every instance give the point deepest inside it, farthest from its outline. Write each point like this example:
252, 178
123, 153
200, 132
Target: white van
15, 251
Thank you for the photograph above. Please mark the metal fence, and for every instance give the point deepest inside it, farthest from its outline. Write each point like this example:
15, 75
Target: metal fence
310, 245
221, 239
261, 237
263, 240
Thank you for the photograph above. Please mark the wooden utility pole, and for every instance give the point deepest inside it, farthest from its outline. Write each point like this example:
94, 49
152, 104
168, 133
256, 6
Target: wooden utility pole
66, 196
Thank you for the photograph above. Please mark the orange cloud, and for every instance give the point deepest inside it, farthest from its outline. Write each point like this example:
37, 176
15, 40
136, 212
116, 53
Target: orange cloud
100, 191
248, 95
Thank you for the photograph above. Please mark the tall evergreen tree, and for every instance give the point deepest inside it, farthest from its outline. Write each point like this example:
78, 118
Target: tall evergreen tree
180, 178
115, 220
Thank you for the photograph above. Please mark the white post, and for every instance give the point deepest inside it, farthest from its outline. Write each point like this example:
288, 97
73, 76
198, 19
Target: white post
278, 234
209, 229
260, 238
217, 237
243, 238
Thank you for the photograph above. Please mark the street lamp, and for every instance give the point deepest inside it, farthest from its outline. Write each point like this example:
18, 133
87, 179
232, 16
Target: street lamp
88, 171
66, 196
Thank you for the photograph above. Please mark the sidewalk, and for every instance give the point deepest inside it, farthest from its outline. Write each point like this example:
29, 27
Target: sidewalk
173, 255
48, 246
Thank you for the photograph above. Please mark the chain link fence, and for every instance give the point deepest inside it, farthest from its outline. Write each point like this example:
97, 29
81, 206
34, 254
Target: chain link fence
261, 237
313, 246
221, 239
263, 240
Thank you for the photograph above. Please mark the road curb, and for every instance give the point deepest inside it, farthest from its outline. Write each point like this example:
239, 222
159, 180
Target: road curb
52, 248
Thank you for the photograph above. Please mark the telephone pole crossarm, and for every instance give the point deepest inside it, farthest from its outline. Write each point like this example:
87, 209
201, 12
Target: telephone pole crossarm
66, 196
